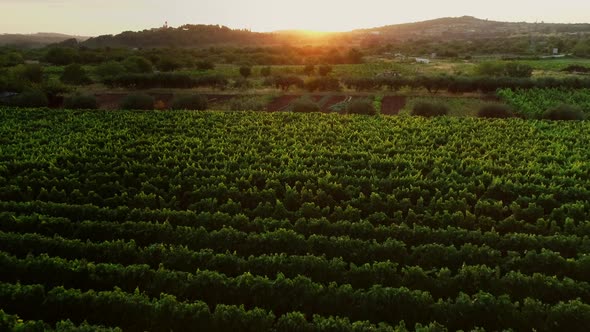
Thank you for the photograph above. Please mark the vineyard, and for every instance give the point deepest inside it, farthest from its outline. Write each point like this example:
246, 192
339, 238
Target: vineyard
534, 102
244, 221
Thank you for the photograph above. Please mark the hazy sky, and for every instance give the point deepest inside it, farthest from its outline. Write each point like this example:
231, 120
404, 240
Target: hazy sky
94, 17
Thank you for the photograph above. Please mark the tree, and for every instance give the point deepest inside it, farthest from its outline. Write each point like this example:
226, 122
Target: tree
265, 71
61, 56
11, 59
138, 64
168, 64
32, 73
205, 65
582, 49
75, 74
325, 70
245, 71
110, 69
355, 56
309, 69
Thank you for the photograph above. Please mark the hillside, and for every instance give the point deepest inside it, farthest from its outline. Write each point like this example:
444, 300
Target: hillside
35, 40
207, 35
467, 27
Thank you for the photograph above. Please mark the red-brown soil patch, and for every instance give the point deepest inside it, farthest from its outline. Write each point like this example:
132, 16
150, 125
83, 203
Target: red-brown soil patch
280, 103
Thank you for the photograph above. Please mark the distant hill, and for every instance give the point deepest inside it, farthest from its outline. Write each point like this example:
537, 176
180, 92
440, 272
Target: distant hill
205, 36
35, 40
468, 27
449, 28
184, 36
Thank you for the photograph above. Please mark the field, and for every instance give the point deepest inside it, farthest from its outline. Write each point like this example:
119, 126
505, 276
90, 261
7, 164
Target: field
534, 102
293, 222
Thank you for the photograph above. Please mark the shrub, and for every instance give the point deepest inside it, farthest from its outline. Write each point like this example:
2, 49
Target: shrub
30, 98
75, 74
564, 112
254, 103
80, 101
305, 105
137, 101
110, 69
190, 102
497, 111
429, 109
361, 106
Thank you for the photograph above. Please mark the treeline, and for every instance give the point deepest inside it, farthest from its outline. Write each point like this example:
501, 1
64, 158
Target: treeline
463, 84
162, 58
434, 84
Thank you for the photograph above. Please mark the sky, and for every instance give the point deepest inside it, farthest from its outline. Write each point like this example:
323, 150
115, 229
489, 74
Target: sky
97, 17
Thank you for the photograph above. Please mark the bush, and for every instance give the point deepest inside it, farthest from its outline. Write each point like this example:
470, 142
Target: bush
429, 109
305, 105
137, 101
255, 103
564, 112
190, 102
497, 111
30, 98
361, 106
75, 74
515, 69
80, 101
110, 69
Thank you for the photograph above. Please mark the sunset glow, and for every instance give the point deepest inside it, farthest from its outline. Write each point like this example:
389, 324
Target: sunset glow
110, 16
